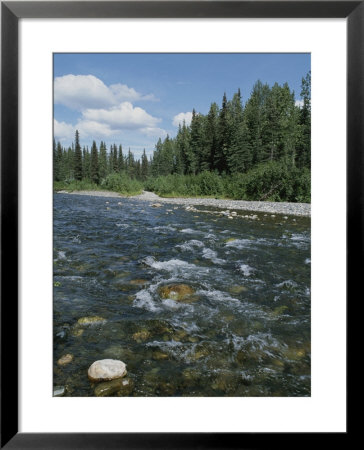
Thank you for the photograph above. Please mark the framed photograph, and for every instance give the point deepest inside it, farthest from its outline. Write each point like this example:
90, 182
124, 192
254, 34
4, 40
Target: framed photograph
176, 271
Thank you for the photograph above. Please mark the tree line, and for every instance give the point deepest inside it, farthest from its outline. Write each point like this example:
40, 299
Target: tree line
75, 163
235, 137
257, 150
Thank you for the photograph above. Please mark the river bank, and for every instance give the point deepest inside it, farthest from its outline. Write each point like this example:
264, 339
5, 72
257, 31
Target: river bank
295, 209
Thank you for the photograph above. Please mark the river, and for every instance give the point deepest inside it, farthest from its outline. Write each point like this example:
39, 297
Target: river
242, 330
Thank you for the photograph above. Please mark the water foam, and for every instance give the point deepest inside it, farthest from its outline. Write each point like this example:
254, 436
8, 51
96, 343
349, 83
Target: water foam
122, 225
190, 245
172, 265
210, 254
61, 256
164, 228
239, 243
144, 299
246, 269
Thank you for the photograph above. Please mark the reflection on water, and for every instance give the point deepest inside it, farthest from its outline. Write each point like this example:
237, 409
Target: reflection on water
195, 304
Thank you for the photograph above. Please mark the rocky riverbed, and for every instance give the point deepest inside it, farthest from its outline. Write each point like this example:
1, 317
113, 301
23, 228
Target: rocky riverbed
194, 300
295, 209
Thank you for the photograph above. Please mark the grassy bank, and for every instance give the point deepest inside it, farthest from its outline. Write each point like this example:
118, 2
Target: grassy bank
267, 182
122, 184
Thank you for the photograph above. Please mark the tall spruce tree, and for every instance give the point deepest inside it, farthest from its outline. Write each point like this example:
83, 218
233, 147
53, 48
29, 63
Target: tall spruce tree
304, 146
77, 158
103, 169
94, 164
144, 171
120, 159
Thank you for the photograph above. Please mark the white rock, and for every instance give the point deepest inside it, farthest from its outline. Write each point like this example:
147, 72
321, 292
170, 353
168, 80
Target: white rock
106, 369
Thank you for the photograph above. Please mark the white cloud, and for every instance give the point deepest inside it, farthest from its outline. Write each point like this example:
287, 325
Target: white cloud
105, 111
93, 129
124, 93
82, 91
299, 103
63, 130
88, 129
87, 91
124, 116
154, 132
179, 118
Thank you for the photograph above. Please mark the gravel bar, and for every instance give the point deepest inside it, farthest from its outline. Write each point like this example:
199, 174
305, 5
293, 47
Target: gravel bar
293, 209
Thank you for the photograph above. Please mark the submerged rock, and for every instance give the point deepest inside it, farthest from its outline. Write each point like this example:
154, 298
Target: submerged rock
141, 336
237, 289
177, 292
156, 205
280, 310
138, 282
122, 386
65, 359
106, 369
91, 320
165, 389
77, 332
158, 355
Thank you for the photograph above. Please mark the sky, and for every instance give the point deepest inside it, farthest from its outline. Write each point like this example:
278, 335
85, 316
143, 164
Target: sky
133, 99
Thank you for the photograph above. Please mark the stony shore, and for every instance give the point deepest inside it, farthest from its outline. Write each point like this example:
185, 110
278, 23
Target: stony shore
295, 209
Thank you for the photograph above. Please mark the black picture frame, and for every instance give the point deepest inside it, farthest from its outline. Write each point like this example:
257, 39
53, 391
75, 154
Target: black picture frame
11, 12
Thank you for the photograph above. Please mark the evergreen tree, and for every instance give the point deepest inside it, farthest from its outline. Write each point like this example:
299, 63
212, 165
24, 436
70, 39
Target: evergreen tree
196, 157
103, 169
304, 146
224, 138
94, 164
183, 150
120, 159
87, 164
211, 139
130, 164
156, 162
115, 167
144, 171
239, 155
255, 117
77, 158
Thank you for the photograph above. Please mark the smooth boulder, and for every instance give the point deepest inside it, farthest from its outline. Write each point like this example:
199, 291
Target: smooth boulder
106, 370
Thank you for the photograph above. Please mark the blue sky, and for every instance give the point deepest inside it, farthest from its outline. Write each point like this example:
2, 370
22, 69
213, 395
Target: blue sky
133, 99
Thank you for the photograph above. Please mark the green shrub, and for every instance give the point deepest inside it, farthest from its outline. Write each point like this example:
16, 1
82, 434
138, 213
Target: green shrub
271, 181
122, 184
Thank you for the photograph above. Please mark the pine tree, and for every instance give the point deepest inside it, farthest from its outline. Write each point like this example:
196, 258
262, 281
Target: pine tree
120, 159
77, 158
144, 171
211, 139
94, 164
115, 159
224, 138
196, 143
103, 170
304, 146
183, 150
255, 117
87, 164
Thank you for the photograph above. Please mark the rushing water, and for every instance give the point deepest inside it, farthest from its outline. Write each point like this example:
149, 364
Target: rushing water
245, 331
